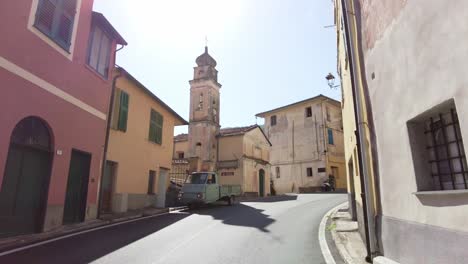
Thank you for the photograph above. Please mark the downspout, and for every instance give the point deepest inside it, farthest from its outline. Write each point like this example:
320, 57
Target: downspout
361, 141
106, 142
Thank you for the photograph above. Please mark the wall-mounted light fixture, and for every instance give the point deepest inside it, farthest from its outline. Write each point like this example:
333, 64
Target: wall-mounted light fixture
331, 81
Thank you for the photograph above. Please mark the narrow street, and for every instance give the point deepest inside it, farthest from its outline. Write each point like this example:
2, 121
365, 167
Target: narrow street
274, 230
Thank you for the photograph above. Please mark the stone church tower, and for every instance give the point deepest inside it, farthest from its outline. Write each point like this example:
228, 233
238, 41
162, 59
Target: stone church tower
204, 115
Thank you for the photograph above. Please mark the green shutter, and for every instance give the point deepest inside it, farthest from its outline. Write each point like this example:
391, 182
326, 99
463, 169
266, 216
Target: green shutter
123, 113
159, 128
156, 125
330, 137
152, 127
116, 109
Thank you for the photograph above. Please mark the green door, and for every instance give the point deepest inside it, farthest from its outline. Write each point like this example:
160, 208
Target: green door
23, 195
261, 185
77, 188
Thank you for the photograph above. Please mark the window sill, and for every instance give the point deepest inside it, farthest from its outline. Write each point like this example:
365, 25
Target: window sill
91, 69
154, 143
440, 193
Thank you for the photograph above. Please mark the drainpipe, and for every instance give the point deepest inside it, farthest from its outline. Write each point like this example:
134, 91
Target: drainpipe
106, 142
361, 134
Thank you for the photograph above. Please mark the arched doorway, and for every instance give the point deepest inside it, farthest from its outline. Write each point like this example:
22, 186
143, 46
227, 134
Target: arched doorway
23, 195
261, 183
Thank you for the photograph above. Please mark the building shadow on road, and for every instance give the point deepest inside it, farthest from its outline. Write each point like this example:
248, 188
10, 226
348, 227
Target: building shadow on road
88, 247
272, 199
238, 215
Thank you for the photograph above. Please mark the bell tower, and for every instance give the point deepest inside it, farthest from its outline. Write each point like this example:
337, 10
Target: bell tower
204, 114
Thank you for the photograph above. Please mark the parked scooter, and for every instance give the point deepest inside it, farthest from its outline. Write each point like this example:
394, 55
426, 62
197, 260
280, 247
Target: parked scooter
329, 184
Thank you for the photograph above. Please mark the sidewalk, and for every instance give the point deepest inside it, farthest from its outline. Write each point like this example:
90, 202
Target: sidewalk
107, 219
345, 234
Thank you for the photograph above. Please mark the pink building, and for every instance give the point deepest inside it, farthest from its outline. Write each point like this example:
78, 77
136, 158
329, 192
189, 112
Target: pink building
56, 58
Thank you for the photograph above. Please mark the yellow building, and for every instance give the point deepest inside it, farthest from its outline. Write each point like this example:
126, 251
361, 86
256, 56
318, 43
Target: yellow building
307, 140
355, 174
243, 159
140, 147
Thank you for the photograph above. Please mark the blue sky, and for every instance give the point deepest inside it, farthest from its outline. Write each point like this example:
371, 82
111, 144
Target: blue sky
269, 52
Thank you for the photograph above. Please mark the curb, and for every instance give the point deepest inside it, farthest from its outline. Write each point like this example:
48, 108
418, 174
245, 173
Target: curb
71, 233
321, 236
341, 249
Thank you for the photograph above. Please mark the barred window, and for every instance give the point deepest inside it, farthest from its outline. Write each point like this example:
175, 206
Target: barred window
55, 19
437, 149
446, 152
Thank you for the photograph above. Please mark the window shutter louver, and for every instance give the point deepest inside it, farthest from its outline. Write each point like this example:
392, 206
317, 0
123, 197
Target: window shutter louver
123, 114
159, 128
55, 19
152, 128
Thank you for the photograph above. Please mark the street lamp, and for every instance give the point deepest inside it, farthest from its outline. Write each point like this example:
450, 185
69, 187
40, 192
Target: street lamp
331, 81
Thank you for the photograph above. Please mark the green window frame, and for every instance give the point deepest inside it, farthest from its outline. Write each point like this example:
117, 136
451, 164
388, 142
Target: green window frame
331, 140
55, 19
123, 111
156, 127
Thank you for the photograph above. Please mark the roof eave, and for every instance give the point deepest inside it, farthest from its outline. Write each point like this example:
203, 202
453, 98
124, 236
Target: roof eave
101, 19
182, 121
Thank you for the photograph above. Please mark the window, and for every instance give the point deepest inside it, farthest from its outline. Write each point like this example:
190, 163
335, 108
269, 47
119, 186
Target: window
321, 170
123, 111
55, 19
151, 179
99, 51
273, 120
330, 137
438, 151
278, 172
309, 172
156, 127
308, 111
227, 173
327, 110
180, 155
211, 179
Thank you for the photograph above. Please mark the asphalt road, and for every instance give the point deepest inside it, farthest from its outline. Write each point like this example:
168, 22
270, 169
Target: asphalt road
273, 230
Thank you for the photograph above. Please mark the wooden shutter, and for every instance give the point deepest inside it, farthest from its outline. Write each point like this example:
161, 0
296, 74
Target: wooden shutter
152, 127
116, 109
156, 127
55, 19
159, 128
45, 16
123, 113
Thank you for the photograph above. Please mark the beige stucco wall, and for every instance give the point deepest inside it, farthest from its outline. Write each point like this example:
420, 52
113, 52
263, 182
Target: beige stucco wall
132, 150
301, 142
230, 148
180, 146
424, 72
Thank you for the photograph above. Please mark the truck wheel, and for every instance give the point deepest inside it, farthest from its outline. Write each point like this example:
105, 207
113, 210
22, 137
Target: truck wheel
230, 200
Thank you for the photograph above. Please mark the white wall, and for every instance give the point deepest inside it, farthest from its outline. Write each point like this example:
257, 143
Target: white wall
420, 62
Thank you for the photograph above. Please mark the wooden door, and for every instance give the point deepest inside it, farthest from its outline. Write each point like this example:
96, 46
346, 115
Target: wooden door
77, 188
261, 185
23, 196
108, 183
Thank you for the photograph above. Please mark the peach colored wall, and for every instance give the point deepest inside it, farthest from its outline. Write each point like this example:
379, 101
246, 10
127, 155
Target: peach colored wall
132, 150
181, 146
230, 148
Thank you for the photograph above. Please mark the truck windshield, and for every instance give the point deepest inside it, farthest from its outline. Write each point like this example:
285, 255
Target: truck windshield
197, 178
